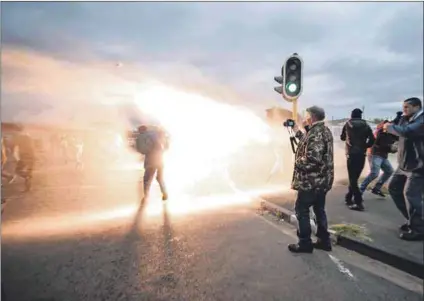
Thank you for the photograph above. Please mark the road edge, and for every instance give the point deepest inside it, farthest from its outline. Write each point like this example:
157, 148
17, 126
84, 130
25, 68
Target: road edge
411, 267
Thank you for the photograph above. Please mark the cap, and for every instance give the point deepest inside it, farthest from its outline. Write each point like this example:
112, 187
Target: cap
356, 113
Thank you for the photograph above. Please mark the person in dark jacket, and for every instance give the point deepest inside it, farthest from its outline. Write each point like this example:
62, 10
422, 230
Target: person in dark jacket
407, 184
378, 159
359, 137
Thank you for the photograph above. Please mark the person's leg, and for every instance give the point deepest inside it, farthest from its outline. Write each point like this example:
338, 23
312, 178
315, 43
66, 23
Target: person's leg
161, 181
396, 188
349, 195
387, 168
358, 165
304, 201
375, 164
29, 164
149, 174
322, 224
19, 169
414, 201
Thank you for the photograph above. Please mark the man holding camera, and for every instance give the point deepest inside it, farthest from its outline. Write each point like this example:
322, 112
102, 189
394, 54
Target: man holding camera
359, 137
407, 185
313, 177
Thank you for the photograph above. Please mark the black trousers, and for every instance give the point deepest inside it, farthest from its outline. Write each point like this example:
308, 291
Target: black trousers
305, 200
355, 166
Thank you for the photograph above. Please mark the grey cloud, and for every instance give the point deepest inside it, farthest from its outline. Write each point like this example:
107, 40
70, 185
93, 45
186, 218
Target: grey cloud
241, 44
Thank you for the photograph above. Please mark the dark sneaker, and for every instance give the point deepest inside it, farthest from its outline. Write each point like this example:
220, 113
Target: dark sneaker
412, 236
357, 207
405, 228
378, 192
296, 248
349, 202
320, 245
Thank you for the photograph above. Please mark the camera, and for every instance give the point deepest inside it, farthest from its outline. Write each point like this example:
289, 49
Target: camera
397, 118
289, 123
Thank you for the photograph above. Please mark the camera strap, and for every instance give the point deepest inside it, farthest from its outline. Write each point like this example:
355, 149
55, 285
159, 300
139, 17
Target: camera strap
293, 140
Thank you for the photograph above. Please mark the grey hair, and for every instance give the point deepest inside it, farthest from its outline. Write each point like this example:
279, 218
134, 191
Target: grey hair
316, 112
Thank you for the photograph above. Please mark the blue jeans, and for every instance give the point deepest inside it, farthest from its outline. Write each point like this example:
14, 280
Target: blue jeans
377, 163
407, 191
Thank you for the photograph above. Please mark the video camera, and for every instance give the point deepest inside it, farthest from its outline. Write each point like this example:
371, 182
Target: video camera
289, 123
397, 118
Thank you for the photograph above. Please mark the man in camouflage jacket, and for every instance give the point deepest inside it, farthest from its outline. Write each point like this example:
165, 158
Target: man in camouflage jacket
313, 177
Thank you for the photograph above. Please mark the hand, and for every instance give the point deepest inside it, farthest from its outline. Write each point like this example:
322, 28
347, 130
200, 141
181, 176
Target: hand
296, 128
386, 126
394, 148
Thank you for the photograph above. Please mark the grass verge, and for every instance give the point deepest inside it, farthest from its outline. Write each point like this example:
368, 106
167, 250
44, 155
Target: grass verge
352, 230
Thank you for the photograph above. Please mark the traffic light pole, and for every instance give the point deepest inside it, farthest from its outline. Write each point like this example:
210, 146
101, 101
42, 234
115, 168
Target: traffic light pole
294, 109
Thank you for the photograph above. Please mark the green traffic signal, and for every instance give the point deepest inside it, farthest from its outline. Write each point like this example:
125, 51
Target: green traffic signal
291, 87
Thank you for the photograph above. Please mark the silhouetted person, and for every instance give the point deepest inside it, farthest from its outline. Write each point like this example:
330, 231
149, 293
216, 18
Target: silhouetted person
359, 137
152, 143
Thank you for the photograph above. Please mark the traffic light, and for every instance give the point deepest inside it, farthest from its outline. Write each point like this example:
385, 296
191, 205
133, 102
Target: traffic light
280, 80
290, 79
292, 74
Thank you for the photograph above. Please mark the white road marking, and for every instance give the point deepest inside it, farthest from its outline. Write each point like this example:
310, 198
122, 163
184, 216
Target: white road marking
341, 267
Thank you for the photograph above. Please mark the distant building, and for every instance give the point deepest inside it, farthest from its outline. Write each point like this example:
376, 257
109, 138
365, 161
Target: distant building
276, 116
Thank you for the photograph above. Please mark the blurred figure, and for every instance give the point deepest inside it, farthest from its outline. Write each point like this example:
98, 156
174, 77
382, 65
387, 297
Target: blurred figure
407, 184
24, 148
313, 177
78, 145
384, 144
152, 143
4, 175
64, 146
54, 145
359, 137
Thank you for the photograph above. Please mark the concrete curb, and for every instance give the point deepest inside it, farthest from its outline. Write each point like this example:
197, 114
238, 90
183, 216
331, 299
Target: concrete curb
413, 268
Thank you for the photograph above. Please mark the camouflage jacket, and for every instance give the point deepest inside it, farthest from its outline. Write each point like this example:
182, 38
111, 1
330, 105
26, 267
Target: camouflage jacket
314, 160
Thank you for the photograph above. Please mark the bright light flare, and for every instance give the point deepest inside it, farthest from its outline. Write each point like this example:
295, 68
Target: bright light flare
119, 141
204, 133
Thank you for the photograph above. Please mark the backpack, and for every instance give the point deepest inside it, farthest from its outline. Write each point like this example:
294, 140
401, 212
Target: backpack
145, 142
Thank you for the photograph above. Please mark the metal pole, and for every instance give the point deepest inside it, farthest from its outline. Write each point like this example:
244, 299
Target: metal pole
294, 110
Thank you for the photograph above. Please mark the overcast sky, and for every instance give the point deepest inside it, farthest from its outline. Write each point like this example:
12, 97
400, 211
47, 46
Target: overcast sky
62, 57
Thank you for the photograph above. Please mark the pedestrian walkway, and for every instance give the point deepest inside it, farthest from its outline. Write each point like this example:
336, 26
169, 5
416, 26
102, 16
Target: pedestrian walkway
381, 219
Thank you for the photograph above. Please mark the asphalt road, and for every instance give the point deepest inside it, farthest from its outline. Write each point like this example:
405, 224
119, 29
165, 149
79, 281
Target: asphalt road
87, 239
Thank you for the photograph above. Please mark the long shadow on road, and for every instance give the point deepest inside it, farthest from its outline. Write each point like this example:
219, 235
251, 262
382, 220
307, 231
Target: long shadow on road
134, 262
